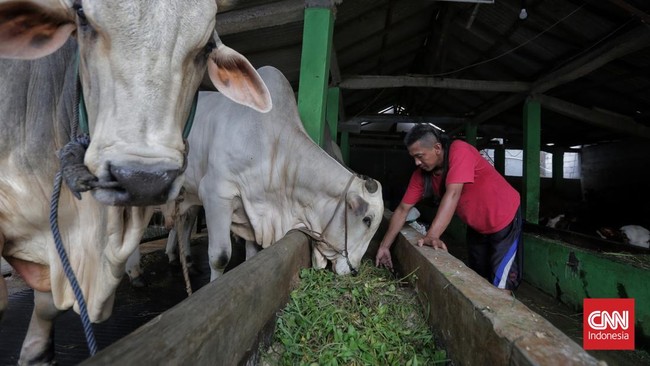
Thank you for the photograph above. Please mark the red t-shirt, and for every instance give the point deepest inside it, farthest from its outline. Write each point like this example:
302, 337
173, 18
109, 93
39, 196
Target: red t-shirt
487, 203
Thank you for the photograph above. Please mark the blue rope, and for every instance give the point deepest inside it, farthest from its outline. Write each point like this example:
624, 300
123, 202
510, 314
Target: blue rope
54, 225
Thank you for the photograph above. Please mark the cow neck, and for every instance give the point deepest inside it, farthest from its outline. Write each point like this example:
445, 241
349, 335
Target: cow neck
319, 237
82, 122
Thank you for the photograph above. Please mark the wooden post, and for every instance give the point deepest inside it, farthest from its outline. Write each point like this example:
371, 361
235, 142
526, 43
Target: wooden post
345, 147
500, 159
315, 66
531, 184
332, 114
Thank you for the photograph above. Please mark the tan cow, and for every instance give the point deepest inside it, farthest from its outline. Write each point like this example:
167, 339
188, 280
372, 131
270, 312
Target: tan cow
140, 64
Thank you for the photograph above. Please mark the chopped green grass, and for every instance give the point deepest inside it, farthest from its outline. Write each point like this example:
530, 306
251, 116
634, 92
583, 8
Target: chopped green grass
370, 319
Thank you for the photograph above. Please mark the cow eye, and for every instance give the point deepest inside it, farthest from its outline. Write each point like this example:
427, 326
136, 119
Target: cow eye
83, 21
367, 220
211, 45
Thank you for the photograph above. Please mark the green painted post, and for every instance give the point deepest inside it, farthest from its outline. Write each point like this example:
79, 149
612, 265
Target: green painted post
471, 132
345, 147
558, 166
531, 183
332, 114
500, 159
315, 67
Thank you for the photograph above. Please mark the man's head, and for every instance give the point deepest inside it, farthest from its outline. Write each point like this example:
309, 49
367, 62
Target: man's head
424, 144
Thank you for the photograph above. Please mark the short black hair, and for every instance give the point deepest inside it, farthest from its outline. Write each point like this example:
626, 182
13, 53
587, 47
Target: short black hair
422, 131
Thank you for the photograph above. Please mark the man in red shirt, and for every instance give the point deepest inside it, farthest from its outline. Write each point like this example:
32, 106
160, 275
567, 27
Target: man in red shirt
471, 188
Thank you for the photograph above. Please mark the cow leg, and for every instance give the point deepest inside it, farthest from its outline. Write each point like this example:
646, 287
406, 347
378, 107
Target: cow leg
171, 247
184, 228
218, 219
133, 269
38, 347
183, 225
251, 249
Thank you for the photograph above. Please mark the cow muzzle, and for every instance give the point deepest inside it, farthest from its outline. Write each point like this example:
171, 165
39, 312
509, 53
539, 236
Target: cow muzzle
129, 183
137, 184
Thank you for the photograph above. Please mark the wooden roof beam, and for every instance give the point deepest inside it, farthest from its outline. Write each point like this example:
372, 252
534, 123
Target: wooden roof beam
633, 41
421, 81
354, 124
632, 10
263, 16
620, 124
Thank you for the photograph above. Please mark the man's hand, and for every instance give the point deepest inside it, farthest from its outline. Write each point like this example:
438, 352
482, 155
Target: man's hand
436, 243
384, 259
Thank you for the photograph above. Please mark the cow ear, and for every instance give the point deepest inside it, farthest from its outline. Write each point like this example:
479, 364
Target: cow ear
30, 31
235, 77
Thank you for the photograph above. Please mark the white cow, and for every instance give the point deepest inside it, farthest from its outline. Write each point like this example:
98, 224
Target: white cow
263, 176
140, 64
636, 235
628, 234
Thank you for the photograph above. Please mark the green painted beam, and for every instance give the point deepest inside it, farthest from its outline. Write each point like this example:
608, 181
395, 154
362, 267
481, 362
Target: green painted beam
531, 181
345, 147
314, 69
332, 114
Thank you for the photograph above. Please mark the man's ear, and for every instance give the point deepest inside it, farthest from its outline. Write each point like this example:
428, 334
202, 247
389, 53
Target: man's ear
437, 147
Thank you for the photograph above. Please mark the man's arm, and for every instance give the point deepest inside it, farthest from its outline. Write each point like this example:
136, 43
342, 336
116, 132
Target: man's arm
394, 226
443, 217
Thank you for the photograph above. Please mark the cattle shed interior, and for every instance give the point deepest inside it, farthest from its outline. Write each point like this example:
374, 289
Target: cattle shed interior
476, 69
554, 93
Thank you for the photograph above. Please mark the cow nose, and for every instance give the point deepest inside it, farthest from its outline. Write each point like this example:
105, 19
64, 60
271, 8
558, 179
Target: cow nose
144, 184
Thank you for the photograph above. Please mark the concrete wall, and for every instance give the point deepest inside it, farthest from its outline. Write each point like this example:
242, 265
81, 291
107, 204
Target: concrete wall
571, 274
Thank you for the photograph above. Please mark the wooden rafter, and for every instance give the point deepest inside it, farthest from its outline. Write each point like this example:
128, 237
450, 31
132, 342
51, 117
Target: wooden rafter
621, 124
263, 16
419, 81
635, 40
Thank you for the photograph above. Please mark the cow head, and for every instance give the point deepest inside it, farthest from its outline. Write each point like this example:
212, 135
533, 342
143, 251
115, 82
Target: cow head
354, 227
140, 64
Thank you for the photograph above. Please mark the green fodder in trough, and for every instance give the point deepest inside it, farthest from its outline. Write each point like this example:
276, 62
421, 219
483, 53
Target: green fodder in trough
370, 319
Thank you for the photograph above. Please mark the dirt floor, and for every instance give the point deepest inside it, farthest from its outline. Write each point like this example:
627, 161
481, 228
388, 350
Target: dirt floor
133, 306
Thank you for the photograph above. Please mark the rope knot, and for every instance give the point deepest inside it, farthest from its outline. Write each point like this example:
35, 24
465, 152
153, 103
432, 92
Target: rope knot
75, 174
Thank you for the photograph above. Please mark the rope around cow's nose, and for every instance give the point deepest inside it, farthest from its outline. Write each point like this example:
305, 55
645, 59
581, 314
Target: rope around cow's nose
76, 175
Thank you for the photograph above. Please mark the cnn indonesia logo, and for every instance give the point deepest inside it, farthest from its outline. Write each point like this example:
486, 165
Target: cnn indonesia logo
608, 324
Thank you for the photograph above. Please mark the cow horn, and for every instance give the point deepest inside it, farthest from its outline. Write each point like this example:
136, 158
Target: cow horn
225, 5
371, 185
